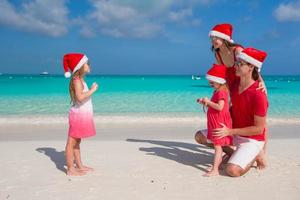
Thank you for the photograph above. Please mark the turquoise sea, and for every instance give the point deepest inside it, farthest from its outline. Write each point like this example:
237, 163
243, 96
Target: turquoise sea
36, 95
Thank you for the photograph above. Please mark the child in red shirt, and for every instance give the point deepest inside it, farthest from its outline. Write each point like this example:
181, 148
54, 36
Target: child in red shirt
217, 113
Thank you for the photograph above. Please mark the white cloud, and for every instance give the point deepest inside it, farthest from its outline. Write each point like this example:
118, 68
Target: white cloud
288, 12
48, 17
141, 19
116, 18
180, 15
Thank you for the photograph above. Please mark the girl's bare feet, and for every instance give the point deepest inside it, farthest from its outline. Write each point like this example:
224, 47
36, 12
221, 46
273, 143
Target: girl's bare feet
225, 159
211, 173
75, 172
85, 168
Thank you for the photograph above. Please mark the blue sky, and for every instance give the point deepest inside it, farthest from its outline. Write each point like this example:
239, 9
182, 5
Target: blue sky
143, 36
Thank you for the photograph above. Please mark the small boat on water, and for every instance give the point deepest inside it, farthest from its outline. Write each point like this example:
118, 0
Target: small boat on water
196, 77
44, 73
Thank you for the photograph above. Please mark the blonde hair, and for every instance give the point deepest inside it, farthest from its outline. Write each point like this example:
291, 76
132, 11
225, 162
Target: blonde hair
78, 74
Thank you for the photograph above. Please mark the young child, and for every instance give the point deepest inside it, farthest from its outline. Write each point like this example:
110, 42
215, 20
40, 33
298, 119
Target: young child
81, 123
217, 113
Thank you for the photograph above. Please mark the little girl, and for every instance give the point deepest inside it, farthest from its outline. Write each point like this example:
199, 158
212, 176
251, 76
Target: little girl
217, 113
81, 123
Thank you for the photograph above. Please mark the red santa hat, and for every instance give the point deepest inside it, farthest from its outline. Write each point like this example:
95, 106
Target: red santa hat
73, 62
253, 56
223, 31
217, 73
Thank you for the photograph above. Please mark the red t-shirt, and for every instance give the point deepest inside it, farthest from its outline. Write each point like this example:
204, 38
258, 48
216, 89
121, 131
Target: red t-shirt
246, 105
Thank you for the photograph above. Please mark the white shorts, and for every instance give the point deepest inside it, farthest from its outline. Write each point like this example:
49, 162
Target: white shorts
247, 150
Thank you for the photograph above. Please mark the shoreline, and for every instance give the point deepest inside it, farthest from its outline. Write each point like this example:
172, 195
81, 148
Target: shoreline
124, 130
132, 118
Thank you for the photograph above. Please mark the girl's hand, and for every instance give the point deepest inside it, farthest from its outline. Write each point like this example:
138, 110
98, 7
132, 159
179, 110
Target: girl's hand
205, 100
262, 87
222, 132
94, 87
200, 100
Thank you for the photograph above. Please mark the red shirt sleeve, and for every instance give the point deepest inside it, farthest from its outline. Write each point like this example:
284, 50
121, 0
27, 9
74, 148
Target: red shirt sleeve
221, 95
260, 104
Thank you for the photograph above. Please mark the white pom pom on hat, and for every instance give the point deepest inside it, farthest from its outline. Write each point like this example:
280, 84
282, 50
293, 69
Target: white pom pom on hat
67, 74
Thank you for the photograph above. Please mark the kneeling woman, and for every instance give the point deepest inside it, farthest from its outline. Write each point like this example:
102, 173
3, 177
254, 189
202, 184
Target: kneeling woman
249, 111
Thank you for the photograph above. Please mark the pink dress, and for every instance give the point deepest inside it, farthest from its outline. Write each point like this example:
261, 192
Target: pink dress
215, 117
81, 122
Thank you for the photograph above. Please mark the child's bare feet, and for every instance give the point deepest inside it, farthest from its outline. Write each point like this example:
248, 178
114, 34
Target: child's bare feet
85, 168
75, 172
212, 173
225, 159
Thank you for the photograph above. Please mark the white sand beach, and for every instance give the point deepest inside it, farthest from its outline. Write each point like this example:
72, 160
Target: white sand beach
156, 161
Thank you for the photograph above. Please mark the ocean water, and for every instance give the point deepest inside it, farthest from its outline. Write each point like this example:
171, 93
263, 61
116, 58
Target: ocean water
35, 95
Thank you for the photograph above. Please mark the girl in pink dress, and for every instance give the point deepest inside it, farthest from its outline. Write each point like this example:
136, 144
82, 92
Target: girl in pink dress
217, 113
81, 123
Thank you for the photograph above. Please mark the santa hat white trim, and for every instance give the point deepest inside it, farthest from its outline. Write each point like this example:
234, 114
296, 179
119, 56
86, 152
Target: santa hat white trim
220, 35
215, 79
250, 60
83, 60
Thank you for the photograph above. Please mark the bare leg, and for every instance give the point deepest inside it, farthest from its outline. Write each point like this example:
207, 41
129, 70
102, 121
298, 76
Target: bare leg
236, 171
78, 161
71, 170
201, 139
217, 161
228, 150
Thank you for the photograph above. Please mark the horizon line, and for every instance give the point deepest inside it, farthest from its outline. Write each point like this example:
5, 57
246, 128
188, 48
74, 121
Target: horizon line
94, 74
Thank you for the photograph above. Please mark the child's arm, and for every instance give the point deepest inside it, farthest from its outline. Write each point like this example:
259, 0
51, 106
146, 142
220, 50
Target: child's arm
217, 106
80, 95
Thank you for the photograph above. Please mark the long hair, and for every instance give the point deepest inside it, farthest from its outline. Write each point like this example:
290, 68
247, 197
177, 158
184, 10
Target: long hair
227, 44
78, 74
255, 74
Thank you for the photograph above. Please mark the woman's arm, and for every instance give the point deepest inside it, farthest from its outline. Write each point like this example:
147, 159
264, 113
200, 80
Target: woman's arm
80, 95
262, 85
256, 129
